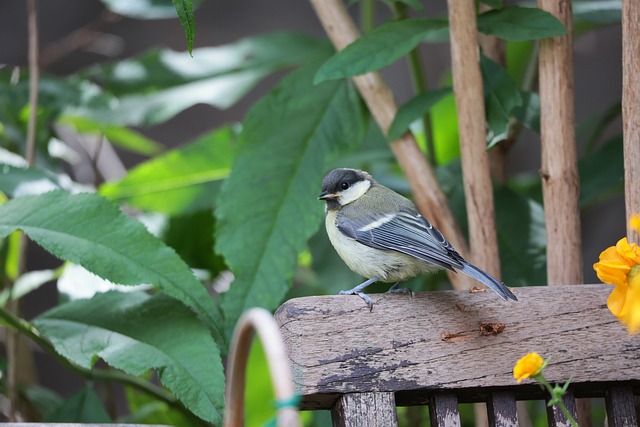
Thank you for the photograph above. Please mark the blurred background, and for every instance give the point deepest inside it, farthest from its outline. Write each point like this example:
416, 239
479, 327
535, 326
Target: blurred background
78, 34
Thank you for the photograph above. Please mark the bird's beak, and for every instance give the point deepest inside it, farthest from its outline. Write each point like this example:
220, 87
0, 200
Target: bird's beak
328, 196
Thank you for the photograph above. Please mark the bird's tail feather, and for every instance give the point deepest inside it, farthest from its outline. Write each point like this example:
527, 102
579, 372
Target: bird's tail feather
490, 281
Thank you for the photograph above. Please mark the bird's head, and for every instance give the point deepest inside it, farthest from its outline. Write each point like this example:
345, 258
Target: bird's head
343, 186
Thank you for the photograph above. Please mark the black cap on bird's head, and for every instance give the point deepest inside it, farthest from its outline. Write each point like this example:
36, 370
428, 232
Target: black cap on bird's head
342, 186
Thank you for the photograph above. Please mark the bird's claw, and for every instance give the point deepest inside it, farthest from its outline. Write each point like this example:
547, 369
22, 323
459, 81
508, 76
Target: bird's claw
397, 290
367, 299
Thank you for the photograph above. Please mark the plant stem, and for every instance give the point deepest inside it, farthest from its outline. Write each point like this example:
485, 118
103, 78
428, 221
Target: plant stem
20, 325
419, 82
560, 404
367, 15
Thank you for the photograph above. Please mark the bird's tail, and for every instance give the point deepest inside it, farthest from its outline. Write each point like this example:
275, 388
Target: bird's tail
490, 281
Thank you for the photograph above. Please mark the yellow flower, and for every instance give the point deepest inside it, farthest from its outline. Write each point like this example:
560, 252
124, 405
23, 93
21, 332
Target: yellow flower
634, 222
528, 366
620, 266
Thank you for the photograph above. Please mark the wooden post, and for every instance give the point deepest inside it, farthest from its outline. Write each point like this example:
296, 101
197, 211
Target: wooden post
365, 409
560, 179
425, 187
631, 108
467, 85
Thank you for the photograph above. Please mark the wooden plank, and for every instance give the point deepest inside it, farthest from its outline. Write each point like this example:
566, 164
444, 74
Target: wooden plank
443, 410
620, 403
451, 340
365, 409
502, 409
556, 416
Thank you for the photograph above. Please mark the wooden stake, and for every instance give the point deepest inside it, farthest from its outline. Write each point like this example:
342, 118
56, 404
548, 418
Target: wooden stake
467, 85
425, 187
560, 181
631, 108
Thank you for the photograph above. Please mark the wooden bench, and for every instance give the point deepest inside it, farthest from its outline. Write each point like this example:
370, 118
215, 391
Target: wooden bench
444, 348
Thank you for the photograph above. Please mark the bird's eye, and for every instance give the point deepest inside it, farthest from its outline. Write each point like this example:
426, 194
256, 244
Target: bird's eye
344, 185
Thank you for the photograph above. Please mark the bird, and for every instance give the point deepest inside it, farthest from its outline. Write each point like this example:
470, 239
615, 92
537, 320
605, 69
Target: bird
381, 236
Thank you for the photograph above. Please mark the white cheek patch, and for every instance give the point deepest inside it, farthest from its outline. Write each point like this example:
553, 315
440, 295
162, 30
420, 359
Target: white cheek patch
354, 192
378, 223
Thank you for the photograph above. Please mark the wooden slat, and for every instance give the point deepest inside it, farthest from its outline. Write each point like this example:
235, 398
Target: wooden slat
502, 410
620, 403
555, 415
443, 410
365, 409
436, 340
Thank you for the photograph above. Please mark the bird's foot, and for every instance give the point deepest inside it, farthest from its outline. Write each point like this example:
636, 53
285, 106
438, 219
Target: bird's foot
362, 295
395, 289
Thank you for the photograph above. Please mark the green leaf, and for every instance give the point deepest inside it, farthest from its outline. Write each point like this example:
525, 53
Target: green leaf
83, 407
90, 230
17, 181
184, 9
496, 4
118, 135
158, 85
379, 47
501, 96
520, 24
413, 110
529, 112
136, 332
602, 173
522, 238
44, 400
144, 409
182, 180
268, 206
142, 9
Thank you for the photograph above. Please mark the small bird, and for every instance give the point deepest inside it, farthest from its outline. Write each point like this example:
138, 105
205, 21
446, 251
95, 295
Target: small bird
381, 235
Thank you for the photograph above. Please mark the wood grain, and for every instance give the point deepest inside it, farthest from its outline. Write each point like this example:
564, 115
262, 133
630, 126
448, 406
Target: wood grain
620, 403
425, 187
433, 342
631, 108
468, 89
559, 171
443, 410
502, 410
365, 409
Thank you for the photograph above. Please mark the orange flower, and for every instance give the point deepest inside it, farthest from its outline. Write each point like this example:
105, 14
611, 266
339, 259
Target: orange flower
620, 266
528, 366
634, 222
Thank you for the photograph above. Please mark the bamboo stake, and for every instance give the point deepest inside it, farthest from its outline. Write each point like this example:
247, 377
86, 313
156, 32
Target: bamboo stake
467, 85
560, 182
260, 321
631, 109
425, 187
560, 179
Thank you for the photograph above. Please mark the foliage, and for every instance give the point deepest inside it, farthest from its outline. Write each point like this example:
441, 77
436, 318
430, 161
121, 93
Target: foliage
241, 197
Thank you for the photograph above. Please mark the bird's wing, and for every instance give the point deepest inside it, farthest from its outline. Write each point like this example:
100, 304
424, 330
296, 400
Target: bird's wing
406, 232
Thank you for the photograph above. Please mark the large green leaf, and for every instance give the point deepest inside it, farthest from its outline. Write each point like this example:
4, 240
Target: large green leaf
520, 24
82, 407
413, 110
602, 172
501, 96
160, 84
182, 180
135, 332
184, 9
268, 206
522, 239
379, 47
90, 230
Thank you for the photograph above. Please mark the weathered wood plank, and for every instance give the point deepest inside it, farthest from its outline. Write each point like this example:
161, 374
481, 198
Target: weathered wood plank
452, 340
365, 409
443, 410
555, 415
502, 410
620, 403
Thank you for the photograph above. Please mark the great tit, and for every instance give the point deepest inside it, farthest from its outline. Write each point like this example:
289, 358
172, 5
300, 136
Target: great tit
381, 235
